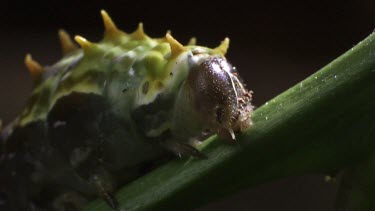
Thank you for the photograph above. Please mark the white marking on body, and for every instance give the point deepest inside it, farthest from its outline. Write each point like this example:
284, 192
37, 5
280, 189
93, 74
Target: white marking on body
131, 72
58, 124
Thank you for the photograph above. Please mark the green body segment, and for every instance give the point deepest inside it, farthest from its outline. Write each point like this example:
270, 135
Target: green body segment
127, 71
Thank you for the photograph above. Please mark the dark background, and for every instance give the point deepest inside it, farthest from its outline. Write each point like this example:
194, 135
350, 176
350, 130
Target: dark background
274, 45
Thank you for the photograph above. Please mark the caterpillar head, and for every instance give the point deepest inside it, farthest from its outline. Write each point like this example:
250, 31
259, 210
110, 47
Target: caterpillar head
219, 97
212, 93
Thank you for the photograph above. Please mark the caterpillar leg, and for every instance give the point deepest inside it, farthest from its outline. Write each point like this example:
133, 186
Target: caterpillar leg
182, 149
69, 201
102, 181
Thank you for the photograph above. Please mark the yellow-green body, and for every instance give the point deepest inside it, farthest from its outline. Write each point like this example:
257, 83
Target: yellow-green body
110, 111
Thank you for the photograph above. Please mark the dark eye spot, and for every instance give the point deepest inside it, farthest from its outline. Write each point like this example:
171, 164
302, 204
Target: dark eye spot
160, 85
145, 87
171, 74
219, 114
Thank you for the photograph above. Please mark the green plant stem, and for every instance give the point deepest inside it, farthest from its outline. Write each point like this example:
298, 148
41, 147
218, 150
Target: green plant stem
321, 125
357, 188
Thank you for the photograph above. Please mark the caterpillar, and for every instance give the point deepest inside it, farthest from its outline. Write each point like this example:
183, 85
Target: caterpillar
110, 111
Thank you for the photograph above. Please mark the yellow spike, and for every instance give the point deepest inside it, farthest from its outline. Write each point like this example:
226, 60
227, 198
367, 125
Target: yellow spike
139, 34
192, 41
33, 66
176, 47
110, 27
67, 44
83, 42
223, 47
164, 38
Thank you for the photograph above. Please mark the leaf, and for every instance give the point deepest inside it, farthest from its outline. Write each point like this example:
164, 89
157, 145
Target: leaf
321, 125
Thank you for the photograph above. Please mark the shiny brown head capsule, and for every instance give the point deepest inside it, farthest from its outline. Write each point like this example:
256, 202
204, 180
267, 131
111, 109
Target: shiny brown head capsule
219, 97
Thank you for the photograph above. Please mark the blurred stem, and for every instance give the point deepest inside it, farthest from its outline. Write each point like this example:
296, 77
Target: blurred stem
321, 125
357, 188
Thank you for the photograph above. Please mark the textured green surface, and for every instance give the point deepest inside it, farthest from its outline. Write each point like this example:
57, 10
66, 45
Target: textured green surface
322, 124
